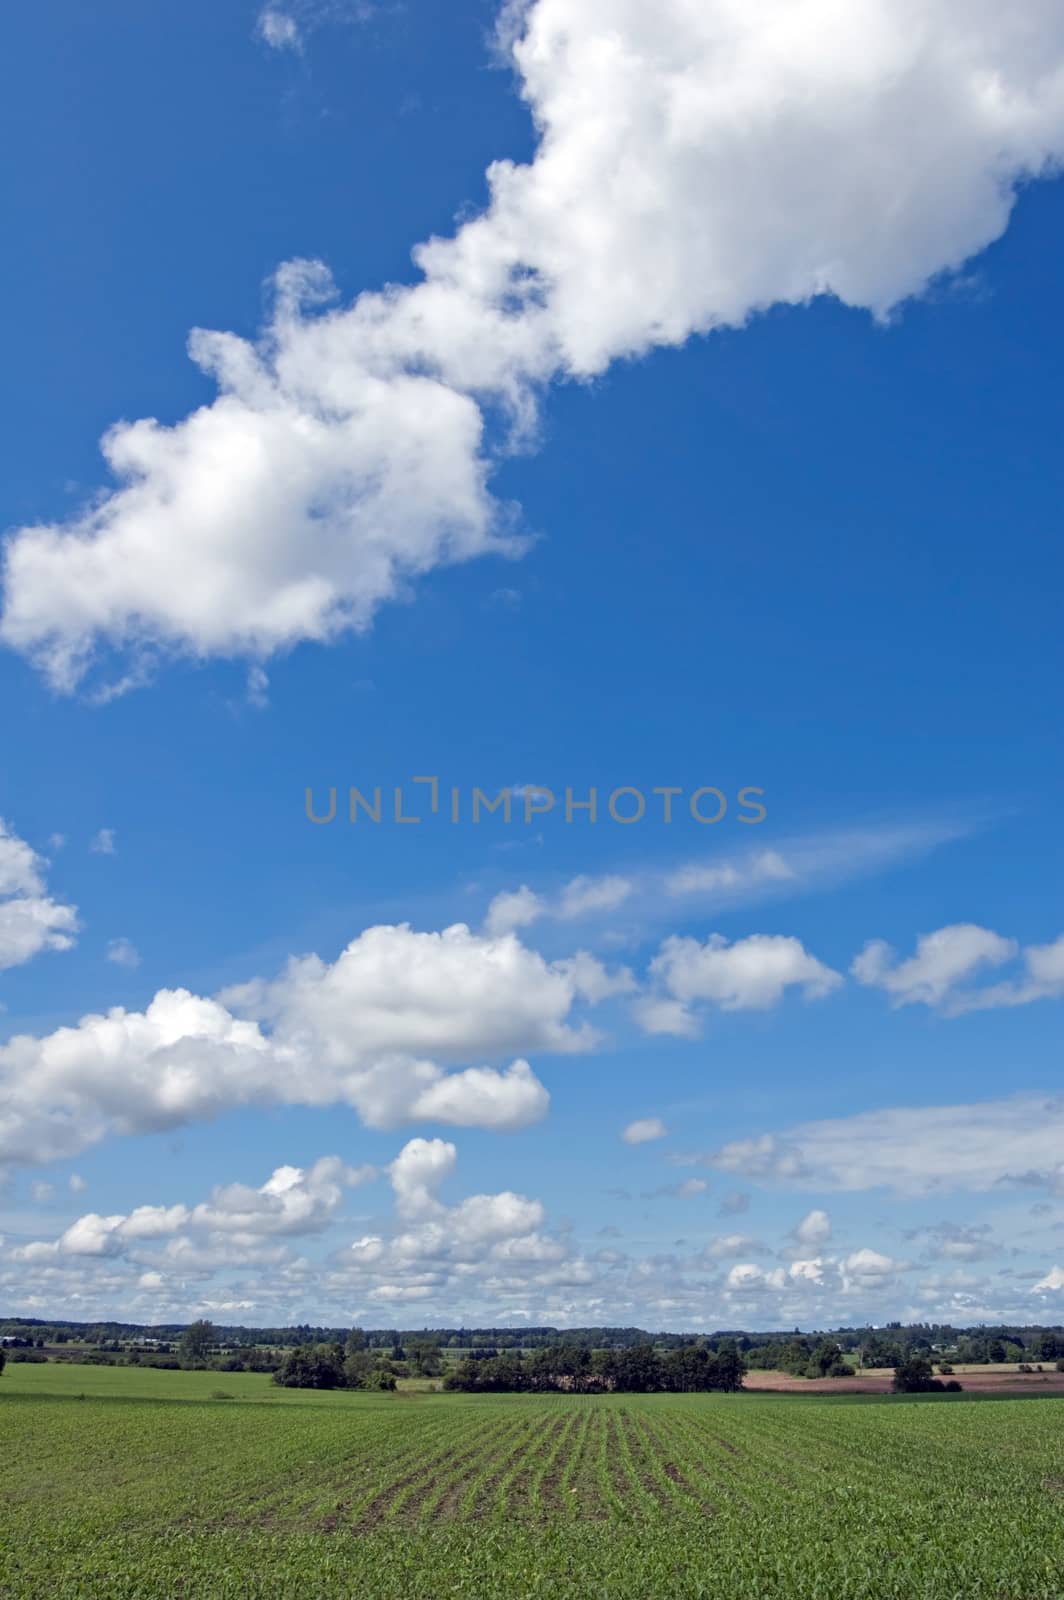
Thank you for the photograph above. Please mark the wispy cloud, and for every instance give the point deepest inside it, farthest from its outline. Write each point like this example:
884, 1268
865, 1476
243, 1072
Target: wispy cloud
641, 898
123, 953
287, 24
912, 1150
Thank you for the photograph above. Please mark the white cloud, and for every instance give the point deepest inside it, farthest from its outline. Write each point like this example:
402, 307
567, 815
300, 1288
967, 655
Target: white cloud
643, 1130
103, 842
278, 30
30, 920
580, 897
695, 165
376, 1030
1044, 981
123, 953
417, 1172
810, 1271
513, 909
751, 974
731, 1244
814, 1230
867, 1263
77, 1183
914, 1150
947, 959
942, 960
1052, 1282
583, 896
285, 26
730, 878
292, 1202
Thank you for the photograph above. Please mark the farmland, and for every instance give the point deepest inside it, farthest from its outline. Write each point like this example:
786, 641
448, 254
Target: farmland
125, 1482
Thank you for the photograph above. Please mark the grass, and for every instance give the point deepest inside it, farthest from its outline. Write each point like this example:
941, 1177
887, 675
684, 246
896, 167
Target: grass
135, 1484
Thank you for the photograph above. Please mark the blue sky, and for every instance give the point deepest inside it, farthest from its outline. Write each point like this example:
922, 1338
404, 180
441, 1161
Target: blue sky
720, 449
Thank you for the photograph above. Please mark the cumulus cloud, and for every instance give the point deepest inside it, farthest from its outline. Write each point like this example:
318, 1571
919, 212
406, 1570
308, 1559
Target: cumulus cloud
377, 1030
864, 1264
913, 1150
493, 1240
946, 960
695, 165
808, 1283
30, 920
644, 1129
291, 1202
752, 974
513, 909
942, 960
1052, 1283
813, 1231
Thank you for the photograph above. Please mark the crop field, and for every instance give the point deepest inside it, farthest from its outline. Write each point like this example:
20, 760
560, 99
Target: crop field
129, 1483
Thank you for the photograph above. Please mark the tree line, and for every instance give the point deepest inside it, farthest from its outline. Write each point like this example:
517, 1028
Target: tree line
577, 1369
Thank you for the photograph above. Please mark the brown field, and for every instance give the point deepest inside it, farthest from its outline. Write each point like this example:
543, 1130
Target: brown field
1003, 1379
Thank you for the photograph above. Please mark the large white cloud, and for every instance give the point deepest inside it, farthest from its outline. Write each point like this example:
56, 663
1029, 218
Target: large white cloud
376, 1030
30, 920
698, 160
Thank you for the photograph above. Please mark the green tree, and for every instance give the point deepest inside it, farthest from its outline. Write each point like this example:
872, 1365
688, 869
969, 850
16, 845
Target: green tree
424, 1357
312, 1366
197, 1341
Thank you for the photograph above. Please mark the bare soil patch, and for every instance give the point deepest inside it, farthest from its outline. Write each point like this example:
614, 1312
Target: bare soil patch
996, 1380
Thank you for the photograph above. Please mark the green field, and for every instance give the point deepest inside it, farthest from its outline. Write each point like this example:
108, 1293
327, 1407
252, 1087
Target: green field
123, 1482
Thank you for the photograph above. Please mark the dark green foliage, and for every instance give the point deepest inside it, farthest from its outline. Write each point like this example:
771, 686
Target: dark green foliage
197, 1342
312, 1366
424, 1358
578, 1370
914, 1376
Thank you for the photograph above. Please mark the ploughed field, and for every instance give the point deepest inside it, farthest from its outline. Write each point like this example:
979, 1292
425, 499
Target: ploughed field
127, 1483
